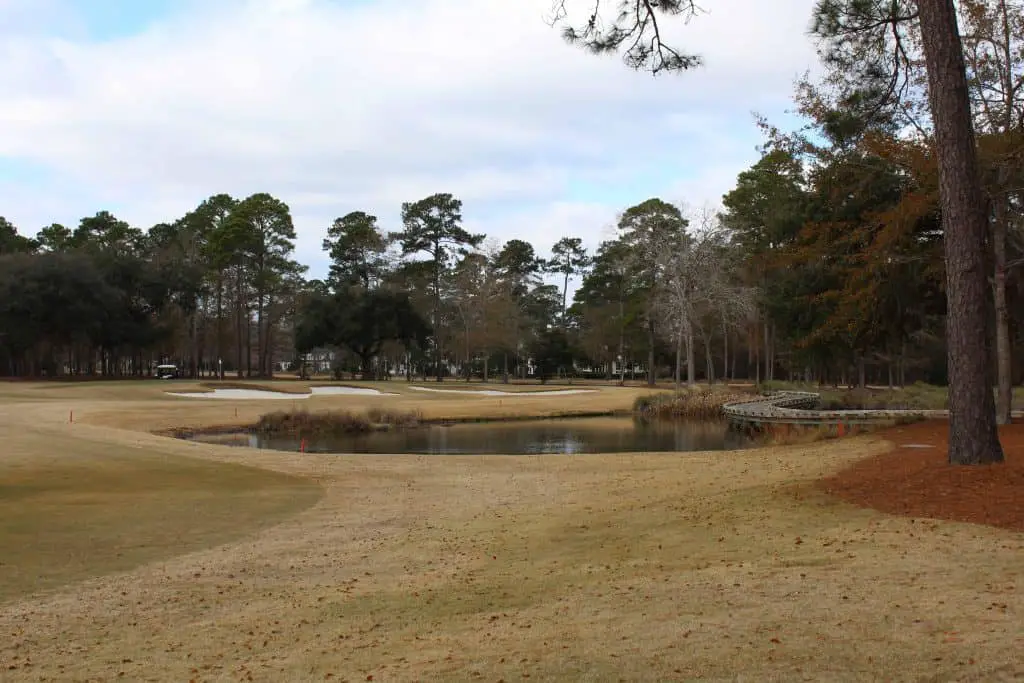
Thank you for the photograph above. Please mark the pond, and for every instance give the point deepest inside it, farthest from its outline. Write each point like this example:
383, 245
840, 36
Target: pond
564, 436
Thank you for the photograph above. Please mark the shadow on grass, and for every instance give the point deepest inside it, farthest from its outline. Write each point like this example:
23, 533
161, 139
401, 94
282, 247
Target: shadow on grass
105, 510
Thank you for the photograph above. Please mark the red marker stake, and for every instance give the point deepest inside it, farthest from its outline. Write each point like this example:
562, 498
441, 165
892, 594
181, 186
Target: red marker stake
302, 446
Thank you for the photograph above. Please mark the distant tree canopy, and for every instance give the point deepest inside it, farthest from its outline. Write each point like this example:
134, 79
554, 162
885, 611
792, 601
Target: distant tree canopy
362, 321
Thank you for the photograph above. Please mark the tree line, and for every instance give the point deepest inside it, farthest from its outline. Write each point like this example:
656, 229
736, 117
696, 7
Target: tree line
219, 291
823, 264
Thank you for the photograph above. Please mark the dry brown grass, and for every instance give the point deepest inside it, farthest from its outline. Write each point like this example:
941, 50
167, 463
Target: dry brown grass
801, 434
306, 423
694, 403
72, 509
723, 566
130, 405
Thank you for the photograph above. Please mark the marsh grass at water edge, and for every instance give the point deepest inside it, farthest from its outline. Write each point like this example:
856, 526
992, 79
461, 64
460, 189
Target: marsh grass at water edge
691, 403
303, 423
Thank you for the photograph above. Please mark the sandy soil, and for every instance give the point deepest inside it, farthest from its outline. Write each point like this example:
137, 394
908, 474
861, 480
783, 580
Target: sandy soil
722, 566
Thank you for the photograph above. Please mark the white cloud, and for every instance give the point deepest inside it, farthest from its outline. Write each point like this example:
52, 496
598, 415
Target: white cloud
336, 107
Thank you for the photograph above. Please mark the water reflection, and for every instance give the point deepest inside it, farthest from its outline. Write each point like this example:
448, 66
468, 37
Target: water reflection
584, 435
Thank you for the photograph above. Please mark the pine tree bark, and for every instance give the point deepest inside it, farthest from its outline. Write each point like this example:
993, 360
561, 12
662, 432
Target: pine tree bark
691, 358
973, 438
220, 328
725, 350
651, 337
1004, 367
261, 342
757, 357
241, 314
679, 357
193, 333
709, 360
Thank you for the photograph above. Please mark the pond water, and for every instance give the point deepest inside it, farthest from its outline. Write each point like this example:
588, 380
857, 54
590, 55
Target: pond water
566, 436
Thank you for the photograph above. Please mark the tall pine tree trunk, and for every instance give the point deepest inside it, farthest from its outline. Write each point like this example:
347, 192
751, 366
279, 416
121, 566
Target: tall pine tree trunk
725, 349
622, 343
691, 357
248, 344
261, 342
709, 360
972, 426
732, 367
757, 357
565, 292
268, 356
194, 339
1004, 367
750, 352
435, 318
651, 374
240, 319
220, 328
679, 357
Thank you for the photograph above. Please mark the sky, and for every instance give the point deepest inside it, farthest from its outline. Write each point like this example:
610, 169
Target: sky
146, 107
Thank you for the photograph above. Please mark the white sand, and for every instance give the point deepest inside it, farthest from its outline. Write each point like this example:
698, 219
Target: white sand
495, 392
280, 395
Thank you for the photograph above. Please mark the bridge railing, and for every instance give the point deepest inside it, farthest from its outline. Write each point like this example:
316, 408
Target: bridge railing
801, 407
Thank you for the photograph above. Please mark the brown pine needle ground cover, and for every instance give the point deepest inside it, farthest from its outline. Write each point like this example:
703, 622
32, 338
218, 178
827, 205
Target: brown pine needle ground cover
915, 479
712, 566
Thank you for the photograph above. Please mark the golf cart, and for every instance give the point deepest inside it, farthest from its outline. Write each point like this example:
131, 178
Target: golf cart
166, 371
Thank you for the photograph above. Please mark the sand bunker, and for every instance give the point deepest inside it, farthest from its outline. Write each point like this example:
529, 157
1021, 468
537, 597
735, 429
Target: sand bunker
510, 394
280, 395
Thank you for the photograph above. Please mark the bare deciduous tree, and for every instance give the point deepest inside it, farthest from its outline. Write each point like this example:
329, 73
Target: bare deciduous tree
699, 289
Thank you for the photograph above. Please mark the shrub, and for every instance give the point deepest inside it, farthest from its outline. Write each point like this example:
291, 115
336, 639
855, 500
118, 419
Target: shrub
305, 423
698, 403
914, 397
394, 418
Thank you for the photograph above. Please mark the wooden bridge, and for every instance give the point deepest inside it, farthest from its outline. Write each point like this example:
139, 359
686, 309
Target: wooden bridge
800, 407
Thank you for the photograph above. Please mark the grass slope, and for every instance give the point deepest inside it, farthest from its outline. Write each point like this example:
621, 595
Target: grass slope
71, 509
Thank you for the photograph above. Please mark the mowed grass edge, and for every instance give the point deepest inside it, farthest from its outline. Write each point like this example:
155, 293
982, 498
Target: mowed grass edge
73, 509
